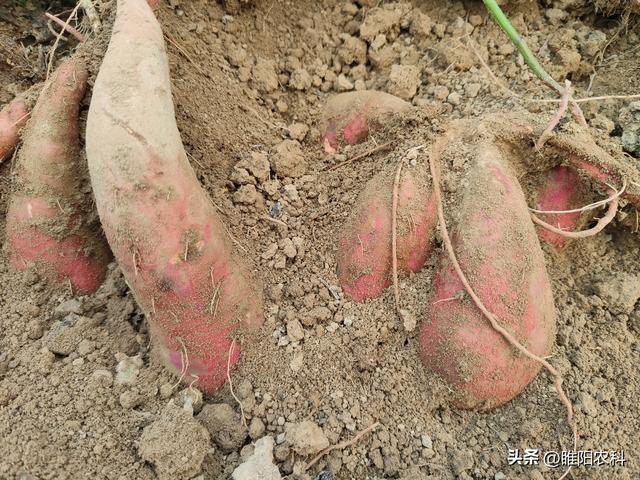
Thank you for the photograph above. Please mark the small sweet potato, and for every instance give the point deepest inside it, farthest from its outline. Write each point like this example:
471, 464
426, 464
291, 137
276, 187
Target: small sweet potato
497, 248
162, 227
581, 152
349, 117
47, 224
364, 244
12, 118
561, 191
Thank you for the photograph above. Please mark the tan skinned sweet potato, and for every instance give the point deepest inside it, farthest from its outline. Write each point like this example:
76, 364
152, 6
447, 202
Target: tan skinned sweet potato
349, 117
160, 223
498, 251
48, 225
12, 118
364, 244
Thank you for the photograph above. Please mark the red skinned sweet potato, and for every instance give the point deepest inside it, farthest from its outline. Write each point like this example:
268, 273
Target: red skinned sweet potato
583, 154
47, 225
561, 191
497, 248
12, 118
578, 151
160, 223
364, 244
349, 117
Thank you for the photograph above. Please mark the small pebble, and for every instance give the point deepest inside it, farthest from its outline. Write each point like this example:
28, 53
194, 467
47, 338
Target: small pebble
454, 98
332, 327
256, 428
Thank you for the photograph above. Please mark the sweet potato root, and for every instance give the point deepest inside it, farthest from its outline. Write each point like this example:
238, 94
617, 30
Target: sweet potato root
47, 225
497, 247
12, 118
160, 223
364, 245
348, 117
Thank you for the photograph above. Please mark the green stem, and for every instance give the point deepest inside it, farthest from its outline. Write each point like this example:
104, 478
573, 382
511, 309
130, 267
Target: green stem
520, 44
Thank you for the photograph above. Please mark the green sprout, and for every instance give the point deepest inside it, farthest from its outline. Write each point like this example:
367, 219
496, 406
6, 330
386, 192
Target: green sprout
521, 45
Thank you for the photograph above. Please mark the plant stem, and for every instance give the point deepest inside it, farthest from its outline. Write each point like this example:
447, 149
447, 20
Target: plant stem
520, 44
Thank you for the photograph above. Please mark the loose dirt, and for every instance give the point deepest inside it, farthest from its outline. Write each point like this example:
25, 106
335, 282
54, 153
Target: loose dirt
81, 395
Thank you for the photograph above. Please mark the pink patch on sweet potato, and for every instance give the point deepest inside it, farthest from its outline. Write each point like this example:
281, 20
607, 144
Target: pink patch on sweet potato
560, 192
498, 250
65, 259
357, 130
60, 259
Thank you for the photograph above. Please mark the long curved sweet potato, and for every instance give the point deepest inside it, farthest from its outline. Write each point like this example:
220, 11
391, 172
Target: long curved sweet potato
47, 225
364, 244
498, 250
12, 118
160, 223
348, 117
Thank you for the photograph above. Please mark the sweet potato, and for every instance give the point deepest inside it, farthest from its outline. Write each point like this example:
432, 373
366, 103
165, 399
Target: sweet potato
160, 223
583, 154
348, 117
561, 191
12, 118
47, 225
364, 244
497, 248
577, 150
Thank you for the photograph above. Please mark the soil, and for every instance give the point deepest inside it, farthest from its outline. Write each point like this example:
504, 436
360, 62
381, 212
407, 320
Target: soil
81, 394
